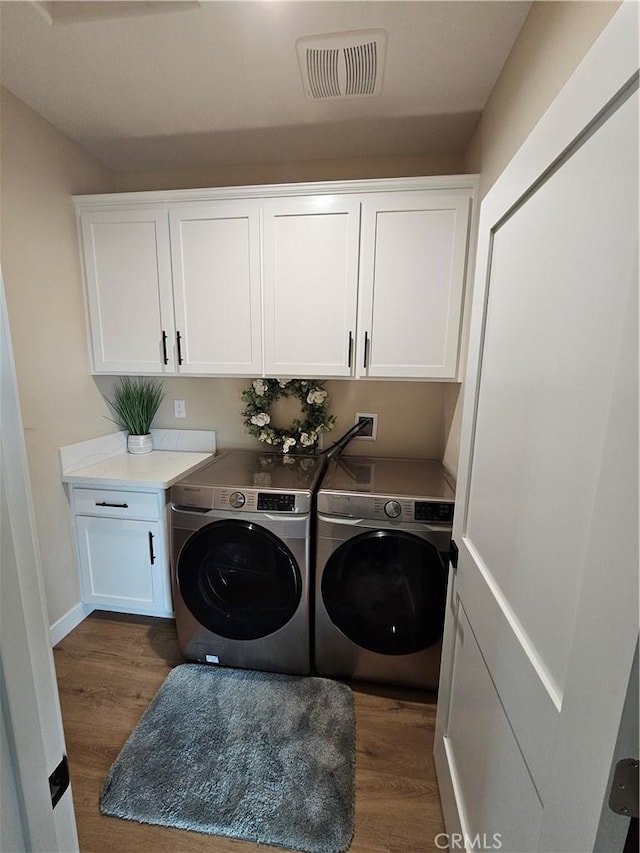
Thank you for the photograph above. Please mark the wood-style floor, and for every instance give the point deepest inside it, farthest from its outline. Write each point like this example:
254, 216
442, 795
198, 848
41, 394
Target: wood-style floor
110, 667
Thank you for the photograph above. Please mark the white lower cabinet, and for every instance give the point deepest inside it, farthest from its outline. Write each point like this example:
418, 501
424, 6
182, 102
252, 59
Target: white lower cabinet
123, 558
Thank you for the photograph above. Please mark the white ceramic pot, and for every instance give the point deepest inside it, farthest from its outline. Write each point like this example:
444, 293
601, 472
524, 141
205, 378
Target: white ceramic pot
139, 443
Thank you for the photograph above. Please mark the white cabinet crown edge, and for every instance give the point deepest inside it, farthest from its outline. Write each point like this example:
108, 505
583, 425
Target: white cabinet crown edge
163, 197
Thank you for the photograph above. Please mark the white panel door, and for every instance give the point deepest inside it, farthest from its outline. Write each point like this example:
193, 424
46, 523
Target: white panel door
28, 691
216, 279
543, 611
310, 267
121, 562
127, 264
413, 263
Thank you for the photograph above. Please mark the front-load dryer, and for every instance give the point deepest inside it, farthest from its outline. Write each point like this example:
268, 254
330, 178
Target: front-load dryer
383, 537
240, 560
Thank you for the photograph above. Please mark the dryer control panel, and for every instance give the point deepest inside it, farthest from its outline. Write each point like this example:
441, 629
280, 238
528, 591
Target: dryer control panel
436, 513
389, 508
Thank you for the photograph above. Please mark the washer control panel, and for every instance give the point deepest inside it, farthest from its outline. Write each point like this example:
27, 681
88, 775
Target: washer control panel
235, 500
276, 502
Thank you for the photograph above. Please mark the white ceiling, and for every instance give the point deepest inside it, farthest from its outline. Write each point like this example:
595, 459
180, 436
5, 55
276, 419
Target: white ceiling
176, 84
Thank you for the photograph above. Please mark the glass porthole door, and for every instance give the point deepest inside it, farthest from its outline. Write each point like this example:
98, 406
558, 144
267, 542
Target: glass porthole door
238, 580
385, 590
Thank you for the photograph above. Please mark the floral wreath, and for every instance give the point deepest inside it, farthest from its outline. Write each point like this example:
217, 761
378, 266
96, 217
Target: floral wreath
303, 433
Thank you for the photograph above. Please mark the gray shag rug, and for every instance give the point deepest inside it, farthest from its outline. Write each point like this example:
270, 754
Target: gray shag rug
257, 756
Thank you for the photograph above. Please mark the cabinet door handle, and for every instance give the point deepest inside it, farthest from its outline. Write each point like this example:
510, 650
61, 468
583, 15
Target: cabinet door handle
366, 348
179, 339
116, 506
152, 556
164, 347
350, 349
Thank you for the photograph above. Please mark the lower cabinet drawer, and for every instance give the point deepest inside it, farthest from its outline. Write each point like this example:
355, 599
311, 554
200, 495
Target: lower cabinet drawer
115, 503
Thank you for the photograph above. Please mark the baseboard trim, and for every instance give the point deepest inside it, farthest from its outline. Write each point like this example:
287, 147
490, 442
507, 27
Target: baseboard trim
68, 622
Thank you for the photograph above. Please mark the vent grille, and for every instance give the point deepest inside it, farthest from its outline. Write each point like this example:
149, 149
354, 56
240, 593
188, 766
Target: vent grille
342, 65
322, 70
362, 69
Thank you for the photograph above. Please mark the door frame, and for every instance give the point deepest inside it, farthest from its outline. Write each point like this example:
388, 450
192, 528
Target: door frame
608, 67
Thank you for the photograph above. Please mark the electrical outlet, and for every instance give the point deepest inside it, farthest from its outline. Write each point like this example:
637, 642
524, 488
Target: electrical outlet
371, 433
179, 409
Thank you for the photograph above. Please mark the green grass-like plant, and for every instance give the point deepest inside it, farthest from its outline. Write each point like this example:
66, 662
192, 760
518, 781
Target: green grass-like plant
135, 403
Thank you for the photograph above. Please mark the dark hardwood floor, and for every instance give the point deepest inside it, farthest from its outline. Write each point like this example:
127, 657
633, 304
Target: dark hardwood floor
110, 667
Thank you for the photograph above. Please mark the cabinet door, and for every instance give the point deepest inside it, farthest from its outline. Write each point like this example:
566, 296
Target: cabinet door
310, 268
216, 278
127, 265
123, 564
412, 270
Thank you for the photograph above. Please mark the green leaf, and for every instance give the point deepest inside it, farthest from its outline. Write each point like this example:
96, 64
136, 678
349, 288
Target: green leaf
135, 403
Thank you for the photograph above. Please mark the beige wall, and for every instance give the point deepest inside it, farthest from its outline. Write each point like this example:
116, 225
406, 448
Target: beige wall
411, 418
553, 41
280, 173
60, 404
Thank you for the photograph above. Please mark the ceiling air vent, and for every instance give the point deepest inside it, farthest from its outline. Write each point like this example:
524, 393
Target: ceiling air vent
338, 66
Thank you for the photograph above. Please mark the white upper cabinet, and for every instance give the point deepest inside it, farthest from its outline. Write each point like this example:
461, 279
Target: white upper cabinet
127, 263
362, 279
310, 269
215, 250
413, 255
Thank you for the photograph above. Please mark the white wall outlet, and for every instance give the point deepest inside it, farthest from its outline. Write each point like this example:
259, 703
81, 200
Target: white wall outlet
371, 433
179, 409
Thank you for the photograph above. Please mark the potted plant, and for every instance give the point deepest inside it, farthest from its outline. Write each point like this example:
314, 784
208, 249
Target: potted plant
135, 403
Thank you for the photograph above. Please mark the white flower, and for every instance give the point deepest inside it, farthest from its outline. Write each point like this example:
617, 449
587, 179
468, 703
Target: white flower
265, 437
308, 438
259, 386
283, 382
317, 396
287, 443
261, 419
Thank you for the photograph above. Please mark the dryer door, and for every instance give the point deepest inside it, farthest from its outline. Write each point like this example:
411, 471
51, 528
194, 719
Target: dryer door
385, 590
238, 579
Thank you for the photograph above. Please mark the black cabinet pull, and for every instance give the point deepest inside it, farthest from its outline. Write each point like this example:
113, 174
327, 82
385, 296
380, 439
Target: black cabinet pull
350, 349
366, 348
164, 347
152, 556
179, 339
116, 506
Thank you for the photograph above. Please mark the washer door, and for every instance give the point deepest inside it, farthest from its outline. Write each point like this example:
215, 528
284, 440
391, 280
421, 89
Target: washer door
385, 590
238, 579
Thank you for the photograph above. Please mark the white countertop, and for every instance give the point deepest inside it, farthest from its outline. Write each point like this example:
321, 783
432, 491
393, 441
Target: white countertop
105, 462
157, 470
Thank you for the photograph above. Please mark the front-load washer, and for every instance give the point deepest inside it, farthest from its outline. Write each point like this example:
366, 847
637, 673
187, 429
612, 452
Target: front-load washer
240, 560
383, 537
